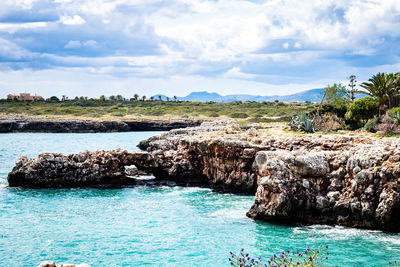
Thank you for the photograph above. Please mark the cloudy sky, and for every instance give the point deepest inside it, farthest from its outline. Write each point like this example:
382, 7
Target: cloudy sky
173, 47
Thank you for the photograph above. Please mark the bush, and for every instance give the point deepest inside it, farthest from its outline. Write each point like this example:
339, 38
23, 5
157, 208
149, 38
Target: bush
395, 114
308, 257
239, 115
339, 109
117, 114
360, 111
372, 125
387, 126
328, 123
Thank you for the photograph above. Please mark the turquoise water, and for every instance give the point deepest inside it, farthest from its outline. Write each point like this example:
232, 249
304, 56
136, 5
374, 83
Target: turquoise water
150, 226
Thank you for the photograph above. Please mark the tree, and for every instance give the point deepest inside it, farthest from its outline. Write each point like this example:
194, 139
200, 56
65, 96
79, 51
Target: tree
381, 87
102, 98
151, 98
119, 98
167, 99
63, 97
112, 97
352, 84
336, 94
159, 98
144, 98
175, 98
53, 99
136, 96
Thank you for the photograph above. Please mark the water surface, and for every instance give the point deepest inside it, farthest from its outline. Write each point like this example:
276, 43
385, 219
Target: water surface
161, 226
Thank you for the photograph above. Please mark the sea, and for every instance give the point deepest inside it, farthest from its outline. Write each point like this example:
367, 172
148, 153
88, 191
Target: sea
151, 226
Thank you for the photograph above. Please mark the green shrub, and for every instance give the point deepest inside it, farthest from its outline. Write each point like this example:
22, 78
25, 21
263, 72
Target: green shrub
395, 114
117, 114
360, 111
371, 125
339, 109
239, 115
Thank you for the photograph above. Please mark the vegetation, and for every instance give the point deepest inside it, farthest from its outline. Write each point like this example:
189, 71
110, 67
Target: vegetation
338, 109
360, 111
286, 258
302, 123
382, 87
118, 106
368, 112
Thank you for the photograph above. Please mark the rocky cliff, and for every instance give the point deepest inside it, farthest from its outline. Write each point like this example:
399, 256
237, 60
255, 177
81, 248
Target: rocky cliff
345, 180
97, 168
9, 123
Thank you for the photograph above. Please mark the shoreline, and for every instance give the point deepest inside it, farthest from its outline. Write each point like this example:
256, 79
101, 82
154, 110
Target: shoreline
296, 178
18, 123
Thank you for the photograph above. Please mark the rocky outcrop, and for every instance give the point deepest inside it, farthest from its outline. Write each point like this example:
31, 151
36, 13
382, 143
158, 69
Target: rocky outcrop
351, 181
357, 187
345, 180
53, 264
98, 168
10, 123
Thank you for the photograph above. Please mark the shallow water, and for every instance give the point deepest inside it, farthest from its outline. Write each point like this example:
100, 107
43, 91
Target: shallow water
150, 226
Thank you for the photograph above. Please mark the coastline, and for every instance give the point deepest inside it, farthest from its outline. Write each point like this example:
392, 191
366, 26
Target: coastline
296, 178
20, 123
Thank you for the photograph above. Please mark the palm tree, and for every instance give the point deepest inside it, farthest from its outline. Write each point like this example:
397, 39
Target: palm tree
175, 98
143, 98
102, 98
380, 86
151, 98
159, 98
167, 99
136, 97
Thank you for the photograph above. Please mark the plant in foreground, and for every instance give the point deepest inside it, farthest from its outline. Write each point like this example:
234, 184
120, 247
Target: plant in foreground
288, 258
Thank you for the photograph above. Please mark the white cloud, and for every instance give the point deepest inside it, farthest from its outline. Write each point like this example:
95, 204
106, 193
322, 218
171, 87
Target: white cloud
225, 40
285, 45
72, 20
91, 43
73, 45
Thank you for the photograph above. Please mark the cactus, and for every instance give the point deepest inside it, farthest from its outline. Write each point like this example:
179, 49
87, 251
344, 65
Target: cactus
397, 117
302, 123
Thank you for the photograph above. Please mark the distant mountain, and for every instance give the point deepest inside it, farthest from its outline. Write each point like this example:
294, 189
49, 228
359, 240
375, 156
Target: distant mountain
202, 96
313, 95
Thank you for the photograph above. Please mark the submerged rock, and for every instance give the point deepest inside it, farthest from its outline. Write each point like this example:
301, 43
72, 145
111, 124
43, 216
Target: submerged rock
53, 264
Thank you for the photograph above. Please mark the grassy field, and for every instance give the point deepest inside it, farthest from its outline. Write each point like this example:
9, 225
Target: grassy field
256, 111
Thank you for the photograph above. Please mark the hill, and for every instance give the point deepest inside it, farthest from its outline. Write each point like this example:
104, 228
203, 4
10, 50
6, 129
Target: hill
313, 95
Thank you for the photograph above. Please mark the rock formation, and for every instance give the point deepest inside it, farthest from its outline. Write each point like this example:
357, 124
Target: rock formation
345, 180
98, 168
53, 264
9, 123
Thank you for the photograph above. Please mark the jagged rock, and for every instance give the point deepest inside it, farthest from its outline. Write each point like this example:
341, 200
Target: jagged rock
351, 181
97, 168
53, 264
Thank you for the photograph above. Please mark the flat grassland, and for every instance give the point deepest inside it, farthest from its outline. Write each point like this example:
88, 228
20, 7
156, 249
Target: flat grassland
96, 109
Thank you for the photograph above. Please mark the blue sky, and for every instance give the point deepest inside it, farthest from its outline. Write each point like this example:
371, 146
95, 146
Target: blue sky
173, 47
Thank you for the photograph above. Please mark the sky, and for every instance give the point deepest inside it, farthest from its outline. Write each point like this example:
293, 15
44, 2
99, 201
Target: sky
174, 47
